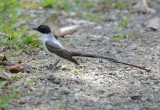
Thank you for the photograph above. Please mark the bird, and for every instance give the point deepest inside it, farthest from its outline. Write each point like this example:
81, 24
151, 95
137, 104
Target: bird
53, 47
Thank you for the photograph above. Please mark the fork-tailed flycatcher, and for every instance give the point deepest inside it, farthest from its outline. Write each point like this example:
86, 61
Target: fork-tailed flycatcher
53, 47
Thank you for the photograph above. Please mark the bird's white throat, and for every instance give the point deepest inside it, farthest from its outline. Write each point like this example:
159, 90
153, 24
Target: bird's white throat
46, 37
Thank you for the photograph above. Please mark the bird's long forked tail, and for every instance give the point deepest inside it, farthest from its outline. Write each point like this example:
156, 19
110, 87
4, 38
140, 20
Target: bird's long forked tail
109, 59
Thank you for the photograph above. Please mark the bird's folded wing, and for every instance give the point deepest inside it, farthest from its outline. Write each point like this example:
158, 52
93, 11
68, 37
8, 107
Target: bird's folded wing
56, 49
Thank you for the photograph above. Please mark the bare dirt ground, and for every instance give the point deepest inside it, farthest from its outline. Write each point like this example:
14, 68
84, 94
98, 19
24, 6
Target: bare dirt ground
95, 84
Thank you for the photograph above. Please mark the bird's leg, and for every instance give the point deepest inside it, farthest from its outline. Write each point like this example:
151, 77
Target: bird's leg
55, 63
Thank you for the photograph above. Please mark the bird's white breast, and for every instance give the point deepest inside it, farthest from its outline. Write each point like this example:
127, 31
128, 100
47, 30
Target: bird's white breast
44, 40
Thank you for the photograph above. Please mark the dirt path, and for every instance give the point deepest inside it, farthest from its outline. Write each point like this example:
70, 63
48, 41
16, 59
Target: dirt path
97, 84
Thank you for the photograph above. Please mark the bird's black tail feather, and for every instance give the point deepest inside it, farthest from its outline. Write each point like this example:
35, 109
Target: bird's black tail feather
109, 59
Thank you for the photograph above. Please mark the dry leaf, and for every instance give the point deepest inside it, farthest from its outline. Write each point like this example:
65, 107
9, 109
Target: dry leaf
4, 75
54, 23
142, 6
2, 58
142, 71
69, 30
58, 31
154, 23
15, 69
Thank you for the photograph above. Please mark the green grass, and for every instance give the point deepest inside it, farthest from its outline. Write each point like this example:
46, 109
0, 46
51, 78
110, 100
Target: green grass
92, 16
58, 5
121, 4
5, 101
33, 79
8, 98
14, 92
77, 6
83, 7
11, 16
123, 35
2, 85
72, 42
76, 71
17, 76
61, 106
50, 3
125, 22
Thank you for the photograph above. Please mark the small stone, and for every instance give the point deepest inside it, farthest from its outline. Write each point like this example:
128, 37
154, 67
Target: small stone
21, 102
152, 83
156, 88
32, 88
56, 81
135, 97
100, 92
64, 90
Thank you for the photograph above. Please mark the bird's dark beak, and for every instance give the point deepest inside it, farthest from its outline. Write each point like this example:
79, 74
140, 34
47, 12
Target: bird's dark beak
35, 29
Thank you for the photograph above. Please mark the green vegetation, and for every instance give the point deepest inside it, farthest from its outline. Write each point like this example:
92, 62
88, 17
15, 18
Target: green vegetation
33, 79
17, 76
93, 17
2, 85
11, 21
125, 22
68, 5
61, 106
76, 71
72, 42
5, 101
15, 89
50, 3
14, 53
57, 4
82, 8
122, 35
121, 4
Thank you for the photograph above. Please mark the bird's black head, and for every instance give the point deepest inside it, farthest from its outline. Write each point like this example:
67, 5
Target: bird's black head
43, 29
